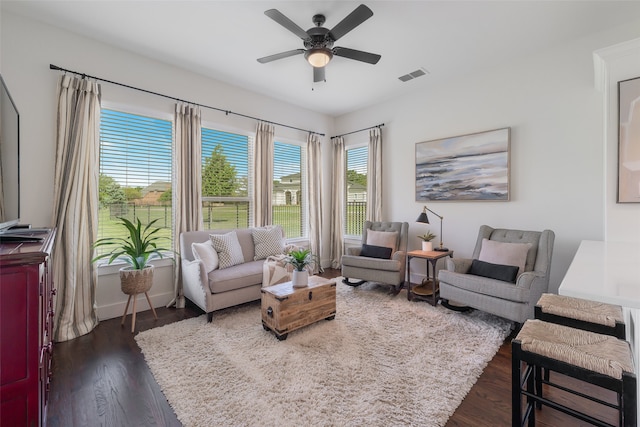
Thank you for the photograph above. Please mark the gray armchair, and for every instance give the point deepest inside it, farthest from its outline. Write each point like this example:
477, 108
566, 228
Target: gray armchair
513, 301
390, 268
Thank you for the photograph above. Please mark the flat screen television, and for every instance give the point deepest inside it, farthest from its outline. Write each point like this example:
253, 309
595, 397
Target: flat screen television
9, 161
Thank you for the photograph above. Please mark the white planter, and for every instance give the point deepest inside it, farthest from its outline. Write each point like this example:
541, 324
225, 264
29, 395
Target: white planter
427, 246
300, 279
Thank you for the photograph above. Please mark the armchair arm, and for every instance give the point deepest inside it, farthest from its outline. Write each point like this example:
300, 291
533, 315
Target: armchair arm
532, 280
458, 265
195, 282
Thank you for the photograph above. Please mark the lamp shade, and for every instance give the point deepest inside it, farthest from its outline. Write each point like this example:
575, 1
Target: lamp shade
319, 57
423, 218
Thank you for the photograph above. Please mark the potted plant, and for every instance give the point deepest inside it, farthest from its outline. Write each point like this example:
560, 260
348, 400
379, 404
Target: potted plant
302, 261
136, 249
426, 240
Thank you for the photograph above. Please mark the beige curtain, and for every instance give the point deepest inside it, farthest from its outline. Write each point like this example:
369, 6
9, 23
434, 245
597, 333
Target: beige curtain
337, 202
187, 192
75, 206
314, 190
263, 169
374, 176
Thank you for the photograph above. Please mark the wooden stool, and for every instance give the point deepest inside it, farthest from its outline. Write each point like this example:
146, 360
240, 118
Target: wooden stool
583, 314
597, 359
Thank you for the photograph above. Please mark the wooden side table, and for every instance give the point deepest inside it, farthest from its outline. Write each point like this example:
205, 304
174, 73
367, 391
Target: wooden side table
422, 291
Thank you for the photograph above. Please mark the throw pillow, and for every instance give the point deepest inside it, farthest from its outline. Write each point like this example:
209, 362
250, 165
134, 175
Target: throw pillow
372, 251
506, 273
228, 248
205, 253
504, 253
268, 241
382, 238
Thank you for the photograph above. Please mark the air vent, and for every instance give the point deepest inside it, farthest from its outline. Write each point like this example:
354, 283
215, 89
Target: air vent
414, 74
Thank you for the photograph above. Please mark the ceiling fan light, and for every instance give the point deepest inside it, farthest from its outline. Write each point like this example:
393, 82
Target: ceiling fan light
319, 57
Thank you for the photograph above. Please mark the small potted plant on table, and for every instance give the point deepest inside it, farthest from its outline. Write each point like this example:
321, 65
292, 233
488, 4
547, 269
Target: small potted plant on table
426, 240
302, 261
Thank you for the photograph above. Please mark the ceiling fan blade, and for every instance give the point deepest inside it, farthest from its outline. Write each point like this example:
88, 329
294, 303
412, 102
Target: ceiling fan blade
355, 18
358, 55
280, 55
318, 74
277, 16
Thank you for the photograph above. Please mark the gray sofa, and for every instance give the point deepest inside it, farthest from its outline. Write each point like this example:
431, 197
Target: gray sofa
513, 301
220, 288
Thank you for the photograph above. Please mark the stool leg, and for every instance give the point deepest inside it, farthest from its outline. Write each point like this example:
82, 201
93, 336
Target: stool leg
539, 384
532, 383
133, 319
516, 378
151, 305
125, 311
628, 400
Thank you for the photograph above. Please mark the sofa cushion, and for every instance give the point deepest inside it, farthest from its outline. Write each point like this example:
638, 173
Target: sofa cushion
205, 253
505, 253
373, 251
388, 239
228, 248
507, 273
235, 277
268, 241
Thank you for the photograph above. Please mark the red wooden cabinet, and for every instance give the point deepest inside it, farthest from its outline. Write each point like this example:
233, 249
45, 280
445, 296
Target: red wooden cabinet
26, 328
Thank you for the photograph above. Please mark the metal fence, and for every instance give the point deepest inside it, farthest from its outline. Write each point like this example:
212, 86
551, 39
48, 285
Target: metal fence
355, 218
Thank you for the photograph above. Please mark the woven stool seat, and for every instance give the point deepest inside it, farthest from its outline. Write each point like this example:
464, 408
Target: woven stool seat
580, 313
598, 359
604, 354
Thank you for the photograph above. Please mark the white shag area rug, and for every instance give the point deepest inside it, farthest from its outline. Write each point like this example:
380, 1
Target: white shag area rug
383, 361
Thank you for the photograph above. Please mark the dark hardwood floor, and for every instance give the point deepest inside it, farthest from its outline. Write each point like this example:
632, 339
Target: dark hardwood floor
101, 379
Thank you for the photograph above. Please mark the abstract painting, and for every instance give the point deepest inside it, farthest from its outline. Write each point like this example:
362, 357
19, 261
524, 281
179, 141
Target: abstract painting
629, 141
465, 167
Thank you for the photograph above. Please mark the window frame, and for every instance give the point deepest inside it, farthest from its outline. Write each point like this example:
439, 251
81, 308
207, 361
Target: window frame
250, 167
304, 176
364, 144
102, 267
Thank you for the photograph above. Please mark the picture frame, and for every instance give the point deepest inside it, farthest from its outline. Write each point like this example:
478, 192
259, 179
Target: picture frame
467, 167
629, 141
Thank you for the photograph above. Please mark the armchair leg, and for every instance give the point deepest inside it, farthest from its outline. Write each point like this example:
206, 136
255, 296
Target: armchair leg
354, 284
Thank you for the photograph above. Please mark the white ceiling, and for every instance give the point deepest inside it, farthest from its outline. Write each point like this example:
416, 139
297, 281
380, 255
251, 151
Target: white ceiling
223, 39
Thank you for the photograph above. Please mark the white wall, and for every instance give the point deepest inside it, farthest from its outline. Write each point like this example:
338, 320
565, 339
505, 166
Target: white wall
557, 150
558, 176
28, 47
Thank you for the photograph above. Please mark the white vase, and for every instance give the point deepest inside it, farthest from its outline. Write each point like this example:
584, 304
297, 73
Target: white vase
300, 279
427, 246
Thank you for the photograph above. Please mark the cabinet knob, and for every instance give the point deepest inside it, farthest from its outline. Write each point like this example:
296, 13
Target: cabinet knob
270, 312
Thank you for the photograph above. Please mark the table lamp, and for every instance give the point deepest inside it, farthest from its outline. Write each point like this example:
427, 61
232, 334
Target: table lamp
423, 218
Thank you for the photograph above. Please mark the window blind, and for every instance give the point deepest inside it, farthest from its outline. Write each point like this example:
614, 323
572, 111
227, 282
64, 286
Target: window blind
226, 185
356, 191
288, 199
135, 172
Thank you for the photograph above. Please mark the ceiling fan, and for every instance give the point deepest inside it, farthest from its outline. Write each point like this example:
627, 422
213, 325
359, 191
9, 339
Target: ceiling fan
318, 41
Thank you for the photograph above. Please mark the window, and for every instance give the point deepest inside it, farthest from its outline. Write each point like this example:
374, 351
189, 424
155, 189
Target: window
225, 179
356, 176
135, 172
288, 201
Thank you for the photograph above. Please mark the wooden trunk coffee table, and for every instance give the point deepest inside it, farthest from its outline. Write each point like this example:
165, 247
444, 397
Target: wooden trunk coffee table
285, 308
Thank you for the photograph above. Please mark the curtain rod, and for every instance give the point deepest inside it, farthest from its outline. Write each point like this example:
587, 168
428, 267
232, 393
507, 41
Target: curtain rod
227, 112
359, 130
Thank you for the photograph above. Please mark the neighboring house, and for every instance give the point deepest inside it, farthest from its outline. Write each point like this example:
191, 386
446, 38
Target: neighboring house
151, 194
287, 190
356, 192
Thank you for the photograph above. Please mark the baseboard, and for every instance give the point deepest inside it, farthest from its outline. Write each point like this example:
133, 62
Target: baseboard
117, 309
